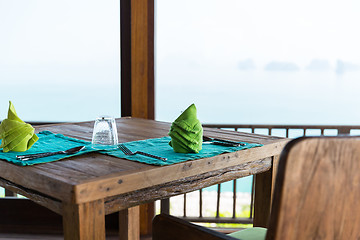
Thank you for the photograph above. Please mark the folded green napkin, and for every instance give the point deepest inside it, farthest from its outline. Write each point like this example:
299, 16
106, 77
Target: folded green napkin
16, 135
186, 132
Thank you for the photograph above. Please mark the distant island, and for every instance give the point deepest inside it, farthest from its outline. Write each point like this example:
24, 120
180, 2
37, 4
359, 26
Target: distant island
247, 64
281, 66
318, 65
342, 67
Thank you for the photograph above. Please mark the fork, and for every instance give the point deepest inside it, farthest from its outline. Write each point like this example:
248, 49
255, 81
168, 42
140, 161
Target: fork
127, 151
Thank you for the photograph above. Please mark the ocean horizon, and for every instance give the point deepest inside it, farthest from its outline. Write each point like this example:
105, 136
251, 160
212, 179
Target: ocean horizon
229, 96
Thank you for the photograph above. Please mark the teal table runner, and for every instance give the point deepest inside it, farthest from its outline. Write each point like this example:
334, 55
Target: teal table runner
50, 142
161, 148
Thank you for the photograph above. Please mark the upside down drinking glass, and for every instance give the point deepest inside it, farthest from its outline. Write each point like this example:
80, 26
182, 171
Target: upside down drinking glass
105, 133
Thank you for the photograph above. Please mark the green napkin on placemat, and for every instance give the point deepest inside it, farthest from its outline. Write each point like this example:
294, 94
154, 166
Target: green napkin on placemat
186, 132
16, 135
160, 147
48, 142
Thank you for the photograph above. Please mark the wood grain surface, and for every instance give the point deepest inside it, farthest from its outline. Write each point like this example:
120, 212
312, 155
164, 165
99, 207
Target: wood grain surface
85, 188
96, 176
84, 221
317, 190
129, 223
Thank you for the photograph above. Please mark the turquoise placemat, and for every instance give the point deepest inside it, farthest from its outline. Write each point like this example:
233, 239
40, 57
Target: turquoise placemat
161, 147
48, 142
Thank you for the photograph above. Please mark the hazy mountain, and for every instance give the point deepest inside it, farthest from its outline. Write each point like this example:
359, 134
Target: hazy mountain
246, 64
318, 65
342, 67
281, 66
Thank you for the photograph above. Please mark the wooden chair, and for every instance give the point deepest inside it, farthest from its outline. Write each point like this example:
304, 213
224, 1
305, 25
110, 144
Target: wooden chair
317, 195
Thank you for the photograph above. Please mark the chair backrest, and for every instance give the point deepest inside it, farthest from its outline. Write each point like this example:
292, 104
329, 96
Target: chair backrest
317, 192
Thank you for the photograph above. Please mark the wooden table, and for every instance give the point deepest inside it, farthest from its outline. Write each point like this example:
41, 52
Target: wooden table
84, 189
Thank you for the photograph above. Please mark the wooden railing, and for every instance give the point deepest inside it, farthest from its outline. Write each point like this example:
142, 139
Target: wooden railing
288, 131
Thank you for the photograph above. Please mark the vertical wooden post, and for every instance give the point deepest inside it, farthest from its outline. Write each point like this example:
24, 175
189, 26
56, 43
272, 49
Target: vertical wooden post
125, 55
137, 73
275, 164
9, 193
142, 59
85, 221
262, 201
137, 58
129, 221
165, 205
147, 213
343, 130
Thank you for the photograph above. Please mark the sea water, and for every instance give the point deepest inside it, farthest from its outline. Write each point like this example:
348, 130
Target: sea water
222, 96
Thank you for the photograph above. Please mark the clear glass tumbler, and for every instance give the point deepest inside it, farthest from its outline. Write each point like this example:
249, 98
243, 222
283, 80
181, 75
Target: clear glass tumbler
105, 133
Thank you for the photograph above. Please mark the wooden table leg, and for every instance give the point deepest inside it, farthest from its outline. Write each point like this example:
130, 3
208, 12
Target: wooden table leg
262, 201
84, 221
147, 213
129, 223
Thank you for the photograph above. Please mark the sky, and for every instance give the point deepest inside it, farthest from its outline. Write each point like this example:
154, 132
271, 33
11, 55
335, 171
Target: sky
59, 60
70, 48
200, 45
47, 38
84, 33
282, 30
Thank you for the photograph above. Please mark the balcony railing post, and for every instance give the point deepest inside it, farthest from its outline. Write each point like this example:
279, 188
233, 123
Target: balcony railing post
9, 193
165, 206
343, 130
218, 201
234, 198
200, 203
184, 204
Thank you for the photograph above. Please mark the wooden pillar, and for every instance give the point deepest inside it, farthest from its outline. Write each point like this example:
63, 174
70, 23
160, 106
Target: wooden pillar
137, 73
125, 55
137, 58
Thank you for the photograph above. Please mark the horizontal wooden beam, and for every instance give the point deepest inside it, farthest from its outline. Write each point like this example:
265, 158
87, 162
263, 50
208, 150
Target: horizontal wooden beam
161, 191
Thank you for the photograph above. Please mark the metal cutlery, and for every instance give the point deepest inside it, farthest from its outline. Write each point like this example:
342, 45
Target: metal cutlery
223, 142
46, 154
127, 151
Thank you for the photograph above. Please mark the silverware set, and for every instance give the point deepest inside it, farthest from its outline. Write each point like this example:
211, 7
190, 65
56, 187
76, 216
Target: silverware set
46, 154
127, 151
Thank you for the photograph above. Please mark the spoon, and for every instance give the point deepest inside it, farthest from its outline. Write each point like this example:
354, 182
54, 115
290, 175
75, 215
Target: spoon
40, 155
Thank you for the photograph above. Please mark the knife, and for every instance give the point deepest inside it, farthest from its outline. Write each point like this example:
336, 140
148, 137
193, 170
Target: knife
46, 154
223, 142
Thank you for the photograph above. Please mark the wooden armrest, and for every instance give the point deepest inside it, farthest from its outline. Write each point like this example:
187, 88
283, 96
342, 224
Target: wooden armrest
166, 227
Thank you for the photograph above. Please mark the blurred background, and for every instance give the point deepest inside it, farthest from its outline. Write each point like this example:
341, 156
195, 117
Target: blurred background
238, 61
